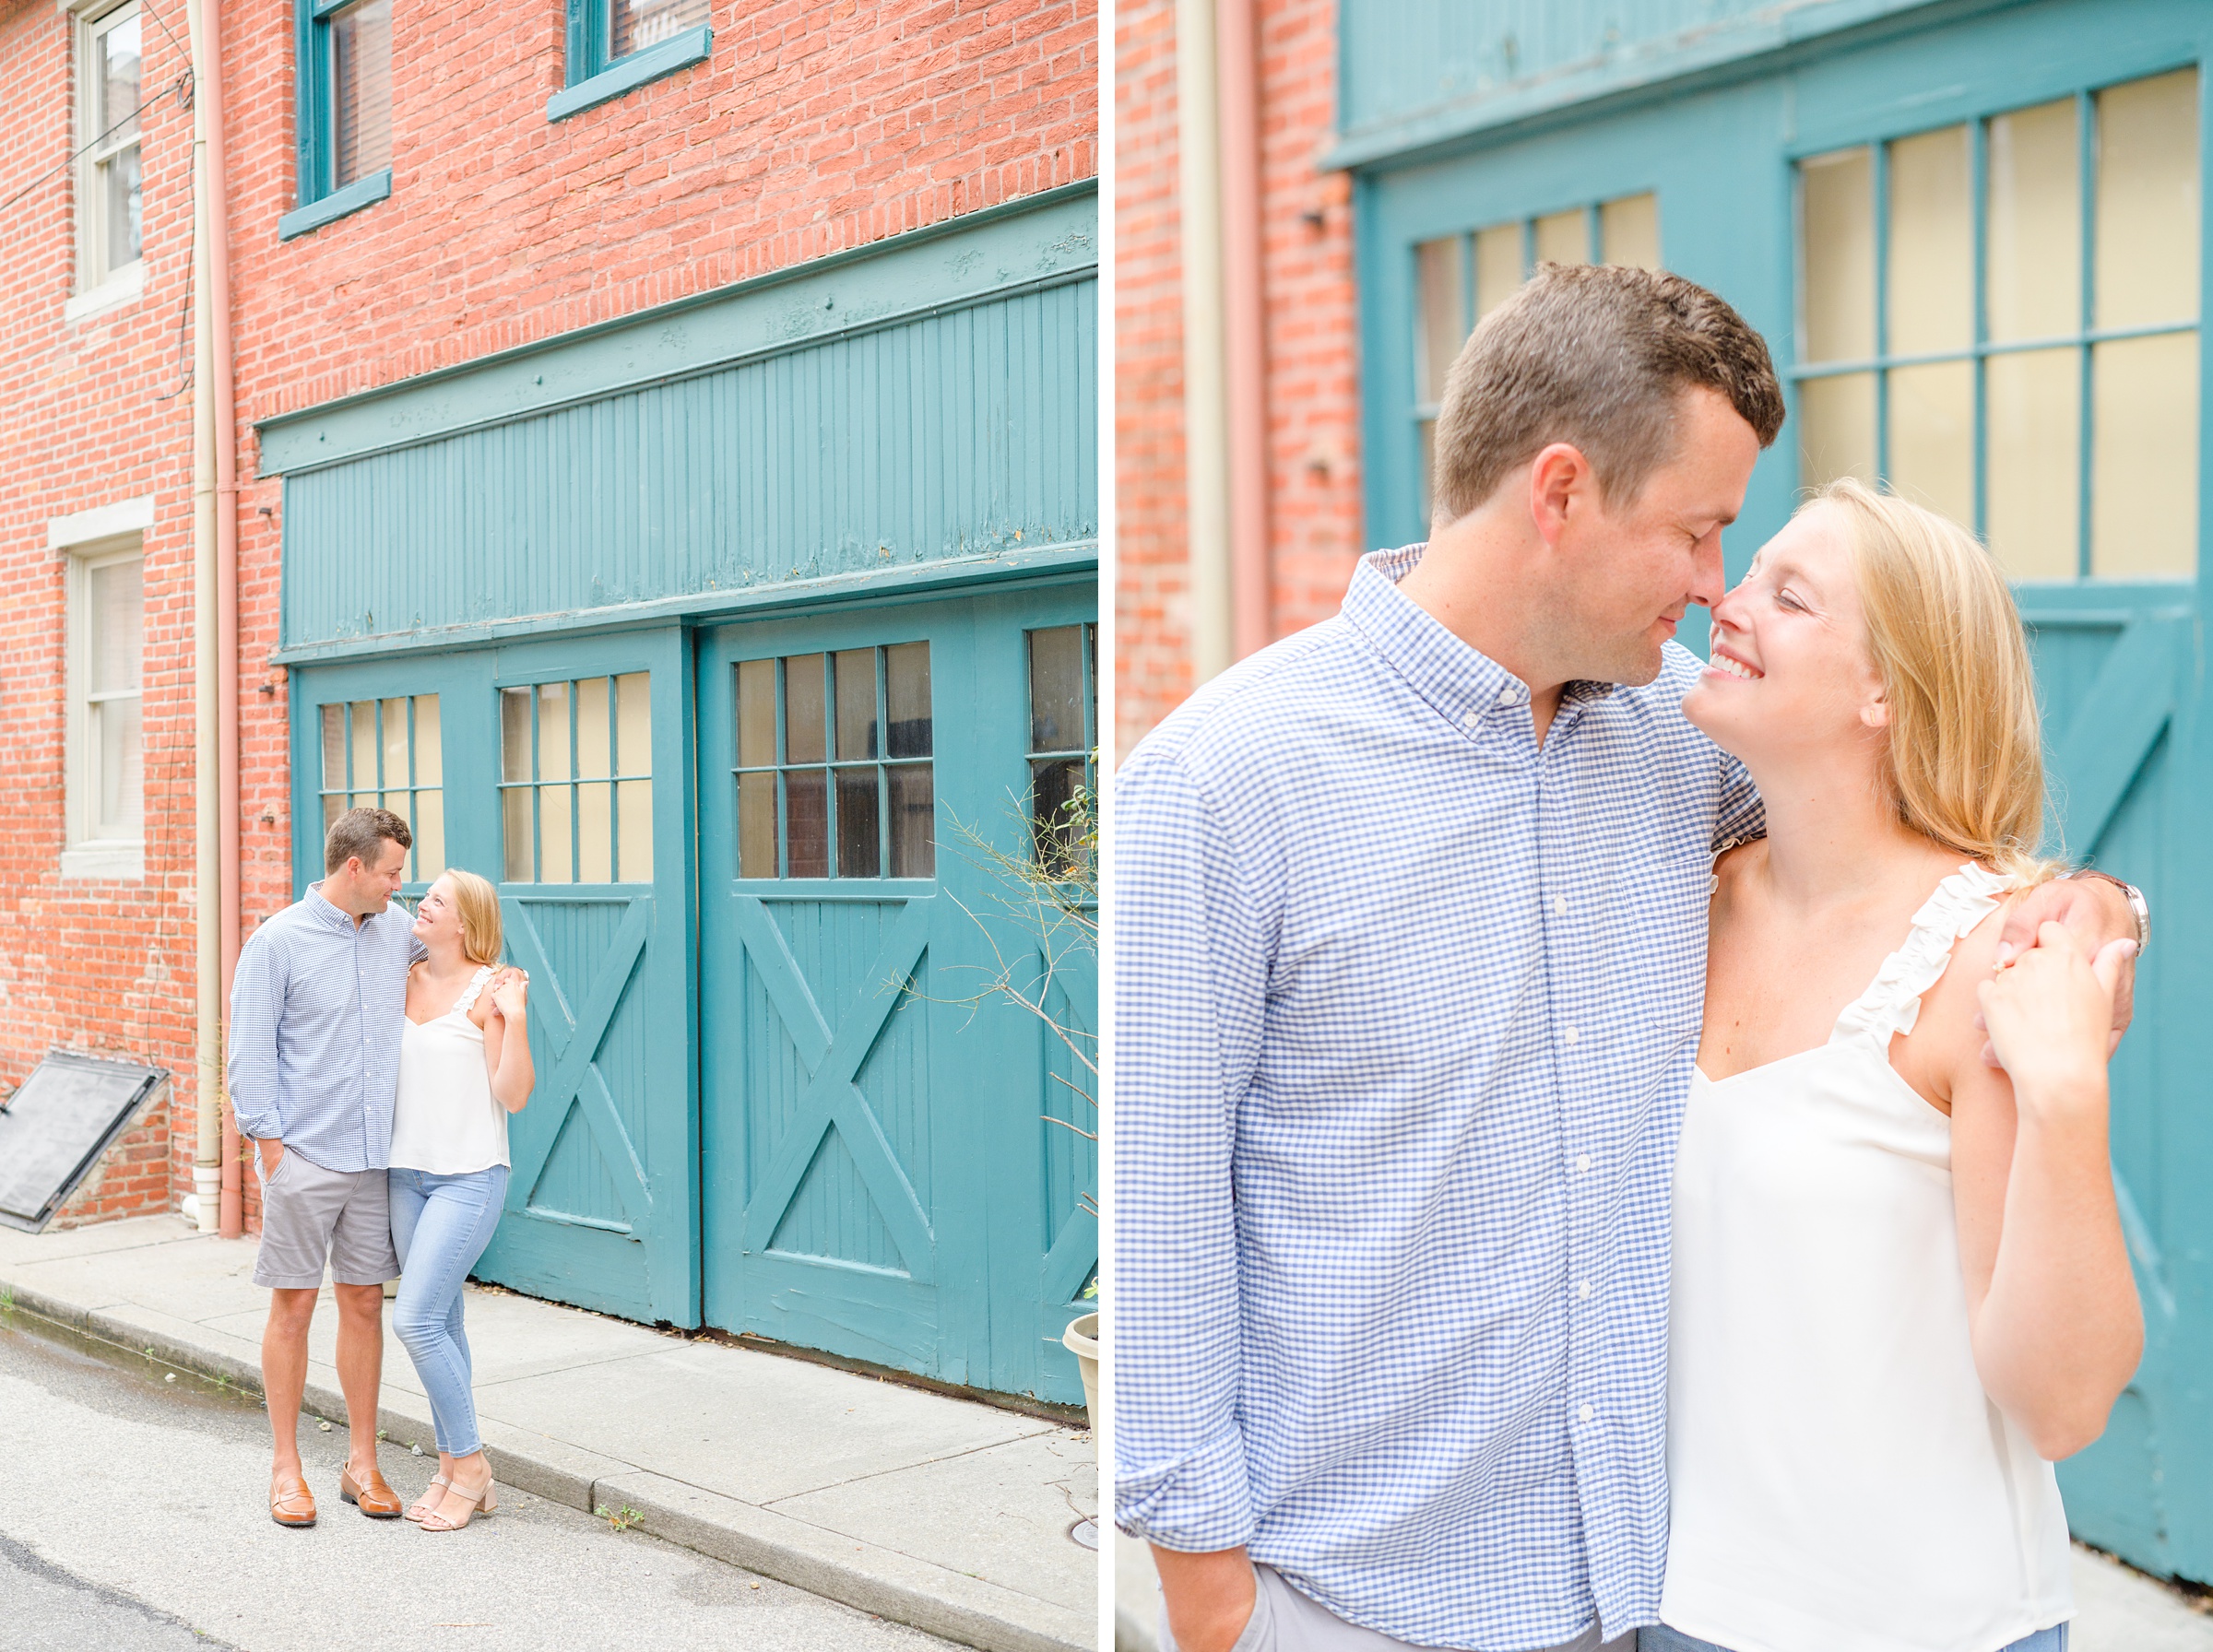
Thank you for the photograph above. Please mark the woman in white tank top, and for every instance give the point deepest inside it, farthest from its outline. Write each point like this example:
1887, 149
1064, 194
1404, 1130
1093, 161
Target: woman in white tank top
463, 1065
1899, 1286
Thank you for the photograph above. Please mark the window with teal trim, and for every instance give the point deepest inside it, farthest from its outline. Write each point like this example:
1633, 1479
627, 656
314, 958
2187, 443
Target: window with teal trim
1999, 318
834, 773
615, 45
1064, 738
344, 132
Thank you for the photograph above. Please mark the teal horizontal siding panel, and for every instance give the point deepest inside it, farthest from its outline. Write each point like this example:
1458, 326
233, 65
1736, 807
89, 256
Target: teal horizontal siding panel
1417, 73
968, 431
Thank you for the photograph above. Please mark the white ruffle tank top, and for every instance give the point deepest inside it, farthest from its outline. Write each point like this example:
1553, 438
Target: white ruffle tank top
1838, 1481
444, 1120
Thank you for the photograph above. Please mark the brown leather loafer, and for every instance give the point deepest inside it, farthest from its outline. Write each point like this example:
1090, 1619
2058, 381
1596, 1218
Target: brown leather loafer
289, 1503
375, 1499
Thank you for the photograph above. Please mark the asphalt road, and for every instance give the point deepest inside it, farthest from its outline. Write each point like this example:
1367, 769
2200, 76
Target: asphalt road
134, 1517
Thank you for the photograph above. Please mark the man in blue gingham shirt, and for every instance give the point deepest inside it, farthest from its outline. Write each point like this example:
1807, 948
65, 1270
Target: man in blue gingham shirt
1409, 968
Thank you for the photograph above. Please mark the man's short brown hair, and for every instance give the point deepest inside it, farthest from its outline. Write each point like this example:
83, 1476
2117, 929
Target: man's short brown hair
1596, 356
356, 834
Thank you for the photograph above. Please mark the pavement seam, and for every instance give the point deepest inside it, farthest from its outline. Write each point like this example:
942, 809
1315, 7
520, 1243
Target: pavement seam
37, 1566
950, 1457
848, 1585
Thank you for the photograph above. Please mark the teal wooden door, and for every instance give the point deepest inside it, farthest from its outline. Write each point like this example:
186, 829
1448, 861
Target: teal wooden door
559, 770
2021, 232
879, 1177
589, 792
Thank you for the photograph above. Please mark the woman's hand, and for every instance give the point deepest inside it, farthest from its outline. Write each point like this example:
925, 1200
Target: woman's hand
510, 993
2050, 1017
2095, 913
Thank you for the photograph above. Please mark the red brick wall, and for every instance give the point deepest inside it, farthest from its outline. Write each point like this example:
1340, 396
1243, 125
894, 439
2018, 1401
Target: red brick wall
1312, 397
100, 966
811, 128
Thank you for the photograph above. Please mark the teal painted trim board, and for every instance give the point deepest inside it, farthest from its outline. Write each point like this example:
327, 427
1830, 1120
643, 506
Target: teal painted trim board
1051, 237
1425, 75
629, 73
963, 432
363, 192
780, 601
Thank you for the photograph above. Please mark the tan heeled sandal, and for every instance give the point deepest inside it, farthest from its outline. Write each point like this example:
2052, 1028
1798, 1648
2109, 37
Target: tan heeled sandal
484, 1503
438, 1483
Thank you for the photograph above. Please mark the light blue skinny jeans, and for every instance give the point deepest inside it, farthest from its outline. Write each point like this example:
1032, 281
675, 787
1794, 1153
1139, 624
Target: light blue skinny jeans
440, 1226
1660, 1638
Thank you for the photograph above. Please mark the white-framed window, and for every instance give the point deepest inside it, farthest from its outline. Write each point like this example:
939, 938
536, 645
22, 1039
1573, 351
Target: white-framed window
104, 786
109, 91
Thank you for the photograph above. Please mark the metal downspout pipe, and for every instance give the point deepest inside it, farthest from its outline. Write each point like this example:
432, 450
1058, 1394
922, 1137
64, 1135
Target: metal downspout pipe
218, 1188
1224, 391
1205, 398
1245, 344
225, 430
206, 883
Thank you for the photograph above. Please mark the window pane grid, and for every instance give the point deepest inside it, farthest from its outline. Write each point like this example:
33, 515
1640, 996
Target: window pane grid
386, 753
1063, 669
843, 787
575, 780
109, 144
2063, 390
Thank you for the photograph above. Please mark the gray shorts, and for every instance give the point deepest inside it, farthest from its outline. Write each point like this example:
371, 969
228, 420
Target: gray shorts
1285, 1621
309, 1213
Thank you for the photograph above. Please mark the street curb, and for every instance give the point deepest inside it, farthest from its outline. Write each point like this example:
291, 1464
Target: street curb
955, 1607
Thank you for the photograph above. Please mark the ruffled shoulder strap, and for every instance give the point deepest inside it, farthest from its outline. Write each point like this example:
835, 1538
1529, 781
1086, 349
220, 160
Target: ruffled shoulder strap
1892, 1002
467, 1000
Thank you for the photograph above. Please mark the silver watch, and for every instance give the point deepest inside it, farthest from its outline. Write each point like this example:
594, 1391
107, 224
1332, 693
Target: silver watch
2137, 905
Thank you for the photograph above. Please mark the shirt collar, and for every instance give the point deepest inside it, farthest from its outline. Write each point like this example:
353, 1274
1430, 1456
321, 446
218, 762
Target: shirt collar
329, 916
1463, 683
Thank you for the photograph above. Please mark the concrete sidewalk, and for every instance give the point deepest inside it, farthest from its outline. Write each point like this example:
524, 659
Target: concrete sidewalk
945, 1513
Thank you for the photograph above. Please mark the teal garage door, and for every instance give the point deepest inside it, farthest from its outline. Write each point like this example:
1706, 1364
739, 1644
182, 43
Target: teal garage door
880, 1176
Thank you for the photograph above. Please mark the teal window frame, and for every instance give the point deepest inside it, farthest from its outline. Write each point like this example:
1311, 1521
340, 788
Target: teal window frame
2083, 338
320, 201
880, 763
596, 78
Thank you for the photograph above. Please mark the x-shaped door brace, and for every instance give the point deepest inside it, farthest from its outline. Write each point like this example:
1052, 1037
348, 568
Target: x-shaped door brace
573, 1039
1075, 1249
830, 1096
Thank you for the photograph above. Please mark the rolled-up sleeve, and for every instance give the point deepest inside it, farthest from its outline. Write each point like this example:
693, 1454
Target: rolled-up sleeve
1191, 945
257, 989
1743, 813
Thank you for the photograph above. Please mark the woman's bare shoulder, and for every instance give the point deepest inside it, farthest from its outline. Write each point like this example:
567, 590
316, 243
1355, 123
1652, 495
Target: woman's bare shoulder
1949, 1008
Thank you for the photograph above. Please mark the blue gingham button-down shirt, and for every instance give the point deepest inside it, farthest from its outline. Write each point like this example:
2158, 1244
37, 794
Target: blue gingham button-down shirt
316, 1008
1407, 1009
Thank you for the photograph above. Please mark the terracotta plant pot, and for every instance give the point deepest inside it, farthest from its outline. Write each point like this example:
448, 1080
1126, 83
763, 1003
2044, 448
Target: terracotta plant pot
1082, 1338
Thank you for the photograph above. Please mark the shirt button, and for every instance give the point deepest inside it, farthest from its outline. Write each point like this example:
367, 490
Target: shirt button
1559, 906
1582, 1291
1506, 696
1583, 1161
1471, 719
1572, 1036
1584, 1414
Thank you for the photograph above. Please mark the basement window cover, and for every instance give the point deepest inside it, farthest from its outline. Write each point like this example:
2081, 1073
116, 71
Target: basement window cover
54, 1129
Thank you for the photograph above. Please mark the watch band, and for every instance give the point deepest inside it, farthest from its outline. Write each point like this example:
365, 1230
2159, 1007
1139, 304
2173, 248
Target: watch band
2137, 906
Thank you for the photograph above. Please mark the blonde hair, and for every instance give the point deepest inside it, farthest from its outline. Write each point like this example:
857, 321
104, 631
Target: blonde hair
478, 905
1964, 762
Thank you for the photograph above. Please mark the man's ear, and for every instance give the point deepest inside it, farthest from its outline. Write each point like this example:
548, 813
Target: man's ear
1560, 480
